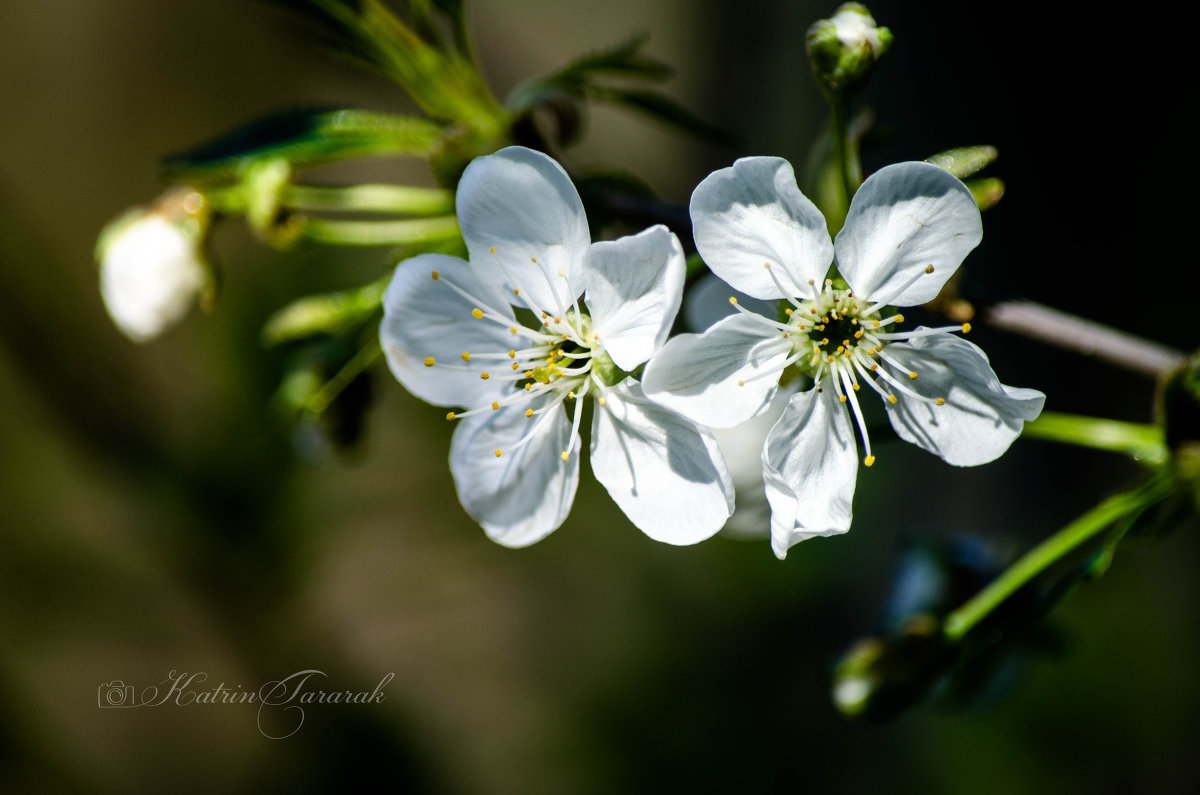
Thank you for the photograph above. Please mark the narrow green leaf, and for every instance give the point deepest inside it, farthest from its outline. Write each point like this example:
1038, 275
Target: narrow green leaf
304, 137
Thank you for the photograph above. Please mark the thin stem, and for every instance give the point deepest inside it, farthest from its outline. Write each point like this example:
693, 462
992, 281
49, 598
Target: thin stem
379, 233
843, 157
336, 385
1142, 442
1049, 552
1087, 337
398, 199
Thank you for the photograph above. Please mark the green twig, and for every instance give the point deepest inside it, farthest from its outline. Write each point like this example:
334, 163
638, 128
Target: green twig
1143, 443
1052, 550
398, 199
379, 233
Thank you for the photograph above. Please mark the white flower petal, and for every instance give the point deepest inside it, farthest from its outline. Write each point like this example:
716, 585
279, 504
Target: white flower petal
810, 466
905, 218
697, 375
635, 286
666, 474
981, 416
150, 277
522, 204
425, 317
752, 213
526, 493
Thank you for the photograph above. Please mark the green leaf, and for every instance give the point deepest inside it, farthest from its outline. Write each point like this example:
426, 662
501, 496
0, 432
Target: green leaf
662, 108
624, 60
304, 137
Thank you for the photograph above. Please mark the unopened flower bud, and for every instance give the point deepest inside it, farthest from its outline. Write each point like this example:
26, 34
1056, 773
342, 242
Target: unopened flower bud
152, 265
844, 48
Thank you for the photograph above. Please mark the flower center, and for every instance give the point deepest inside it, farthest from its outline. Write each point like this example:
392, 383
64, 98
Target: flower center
556, 358
839, 340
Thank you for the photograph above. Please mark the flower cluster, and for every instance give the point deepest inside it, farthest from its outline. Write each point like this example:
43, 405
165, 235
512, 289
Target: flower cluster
539, 318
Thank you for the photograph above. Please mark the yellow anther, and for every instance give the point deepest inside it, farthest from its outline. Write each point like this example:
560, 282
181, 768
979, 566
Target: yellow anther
565, 338
497, 454
529, 373
429, 361
516, 291
484, 376
528, 387
544, 316
512, 354
733, 299
874, 324
810, 281
846, 343
829, 360
787, 312
841, 348
450, 415
516, 366
741, 382
528, 412
533, 259
869, 460
477, 313
892, 399
565, 455
929, 269
829, 282
434, 275
841, 399
854, 322
874, 367
558, 320
495, 406
512, 329
825, 340
570, 396
912, 375
767, 265
562, 273
854, 387
966, 327
940, 401
858, 335
466, 357
602, 401
899, 318
811, 311
492, 250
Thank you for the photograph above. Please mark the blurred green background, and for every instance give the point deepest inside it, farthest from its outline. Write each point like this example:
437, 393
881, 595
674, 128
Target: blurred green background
153, 517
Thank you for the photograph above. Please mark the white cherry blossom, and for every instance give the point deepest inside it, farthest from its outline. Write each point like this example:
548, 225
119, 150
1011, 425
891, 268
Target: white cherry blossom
908, 229
535, 322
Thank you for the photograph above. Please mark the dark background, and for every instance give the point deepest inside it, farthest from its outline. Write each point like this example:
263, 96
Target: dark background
152, 518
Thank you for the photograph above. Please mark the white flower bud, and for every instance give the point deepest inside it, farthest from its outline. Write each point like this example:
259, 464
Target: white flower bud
152, 267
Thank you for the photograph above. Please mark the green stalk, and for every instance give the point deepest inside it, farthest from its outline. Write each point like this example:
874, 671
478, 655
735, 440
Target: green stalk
1117, 507
379, 233
398, 199
1142, 442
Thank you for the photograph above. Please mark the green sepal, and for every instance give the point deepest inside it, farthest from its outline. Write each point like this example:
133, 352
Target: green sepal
965, 161
333, 314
